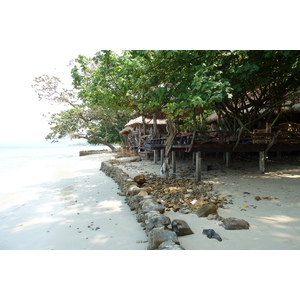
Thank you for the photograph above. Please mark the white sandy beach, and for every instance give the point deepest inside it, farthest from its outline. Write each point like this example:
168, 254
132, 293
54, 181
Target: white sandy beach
274, 220
68, 204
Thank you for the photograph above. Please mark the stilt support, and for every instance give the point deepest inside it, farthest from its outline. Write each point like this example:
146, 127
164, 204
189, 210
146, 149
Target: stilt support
156, 156
162, 155
262, 156
198, 166
174, 161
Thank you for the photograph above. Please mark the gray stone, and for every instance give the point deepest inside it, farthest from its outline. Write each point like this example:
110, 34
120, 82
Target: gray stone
235, 224
158, 236
169, 245
157, 221
140, 218
128, 159
211, 234
151, 204
180, 227
207, 209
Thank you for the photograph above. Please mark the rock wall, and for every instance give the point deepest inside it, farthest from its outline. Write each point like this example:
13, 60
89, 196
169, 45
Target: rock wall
150, 212
89, 152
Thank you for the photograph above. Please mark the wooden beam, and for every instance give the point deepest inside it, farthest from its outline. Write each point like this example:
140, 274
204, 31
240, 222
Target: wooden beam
198, 166
227, 158
262, 155
174, 161
156, 156
162, 155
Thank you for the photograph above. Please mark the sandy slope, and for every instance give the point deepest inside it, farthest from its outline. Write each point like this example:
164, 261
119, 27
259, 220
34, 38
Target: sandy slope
274, 221
68, 204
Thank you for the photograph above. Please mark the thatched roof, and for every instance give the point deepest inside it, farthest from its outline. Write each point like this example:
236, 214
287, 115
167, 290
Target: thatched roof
126, 130
139, 120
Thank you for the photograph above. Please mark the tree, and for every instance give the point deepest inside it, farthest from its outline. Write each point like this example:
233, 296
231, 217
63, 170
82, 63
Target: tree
78, 120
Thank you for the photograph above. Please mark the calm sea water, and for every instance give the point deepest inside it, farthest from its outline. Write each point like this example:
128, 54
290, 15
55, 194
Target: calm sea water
25, 166
13, 158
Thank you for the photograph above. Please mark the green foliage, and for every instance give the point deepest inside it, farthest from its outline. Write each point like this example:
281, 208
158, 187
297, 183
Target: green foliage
244, 85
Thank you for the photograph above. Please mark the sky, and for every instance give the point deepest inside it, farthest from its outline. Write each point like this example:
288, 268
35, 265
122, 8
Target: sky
41, 37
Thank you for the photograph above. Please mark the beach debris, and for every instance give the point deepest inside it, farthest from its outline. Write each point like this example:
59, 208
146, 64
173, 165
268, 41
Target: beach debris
270, 198
158, 235
257, 198
211, 234
139, 179
246, 193
207, 209
180, 227
235, 224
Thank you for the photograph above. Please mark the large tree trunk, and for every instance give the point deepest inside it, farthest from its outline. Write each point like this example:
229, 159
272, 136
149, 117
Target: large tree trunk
164, 170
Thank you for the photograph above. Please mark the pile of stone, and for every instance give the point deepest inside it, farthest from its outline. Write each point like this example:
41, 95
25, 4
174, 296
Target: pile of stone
89, 152
184, 195
151, 196
150, 211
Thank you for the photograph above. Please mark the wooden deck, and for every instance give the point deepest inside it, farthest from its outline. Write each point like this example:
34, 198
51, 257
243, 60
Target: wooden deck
260, 143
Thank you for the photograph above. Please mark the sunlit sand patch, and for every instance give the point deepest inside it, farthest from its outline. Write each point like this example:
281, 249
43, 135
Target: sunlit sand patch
34, 222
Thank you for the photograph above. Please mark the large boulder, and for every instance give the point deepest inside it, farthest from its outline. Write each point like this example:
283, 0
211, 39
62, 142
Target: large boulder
235, 224
180, 227
159, 235
207, 209
151, 204
157, 221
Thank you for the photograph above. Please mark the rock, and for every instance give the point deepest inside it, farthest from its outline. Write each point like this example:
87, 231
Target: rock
158, 236
140, 218
180, 227
207, 209
211, 234
169, 245
139, 179
151, 204
212, 217
128, 159
157, 221
176, 208
235, 224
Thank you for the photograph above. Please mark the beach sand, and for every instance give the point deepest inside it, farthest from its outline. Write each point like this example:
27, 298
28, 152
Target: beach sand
274, 220
72, 205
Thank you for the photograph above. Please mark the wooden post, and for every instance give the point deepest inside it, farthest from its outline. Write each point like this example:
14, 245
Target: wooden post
227, 158
194, 158
155, 156
162, 155
174, 161
262, 162
198, 166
